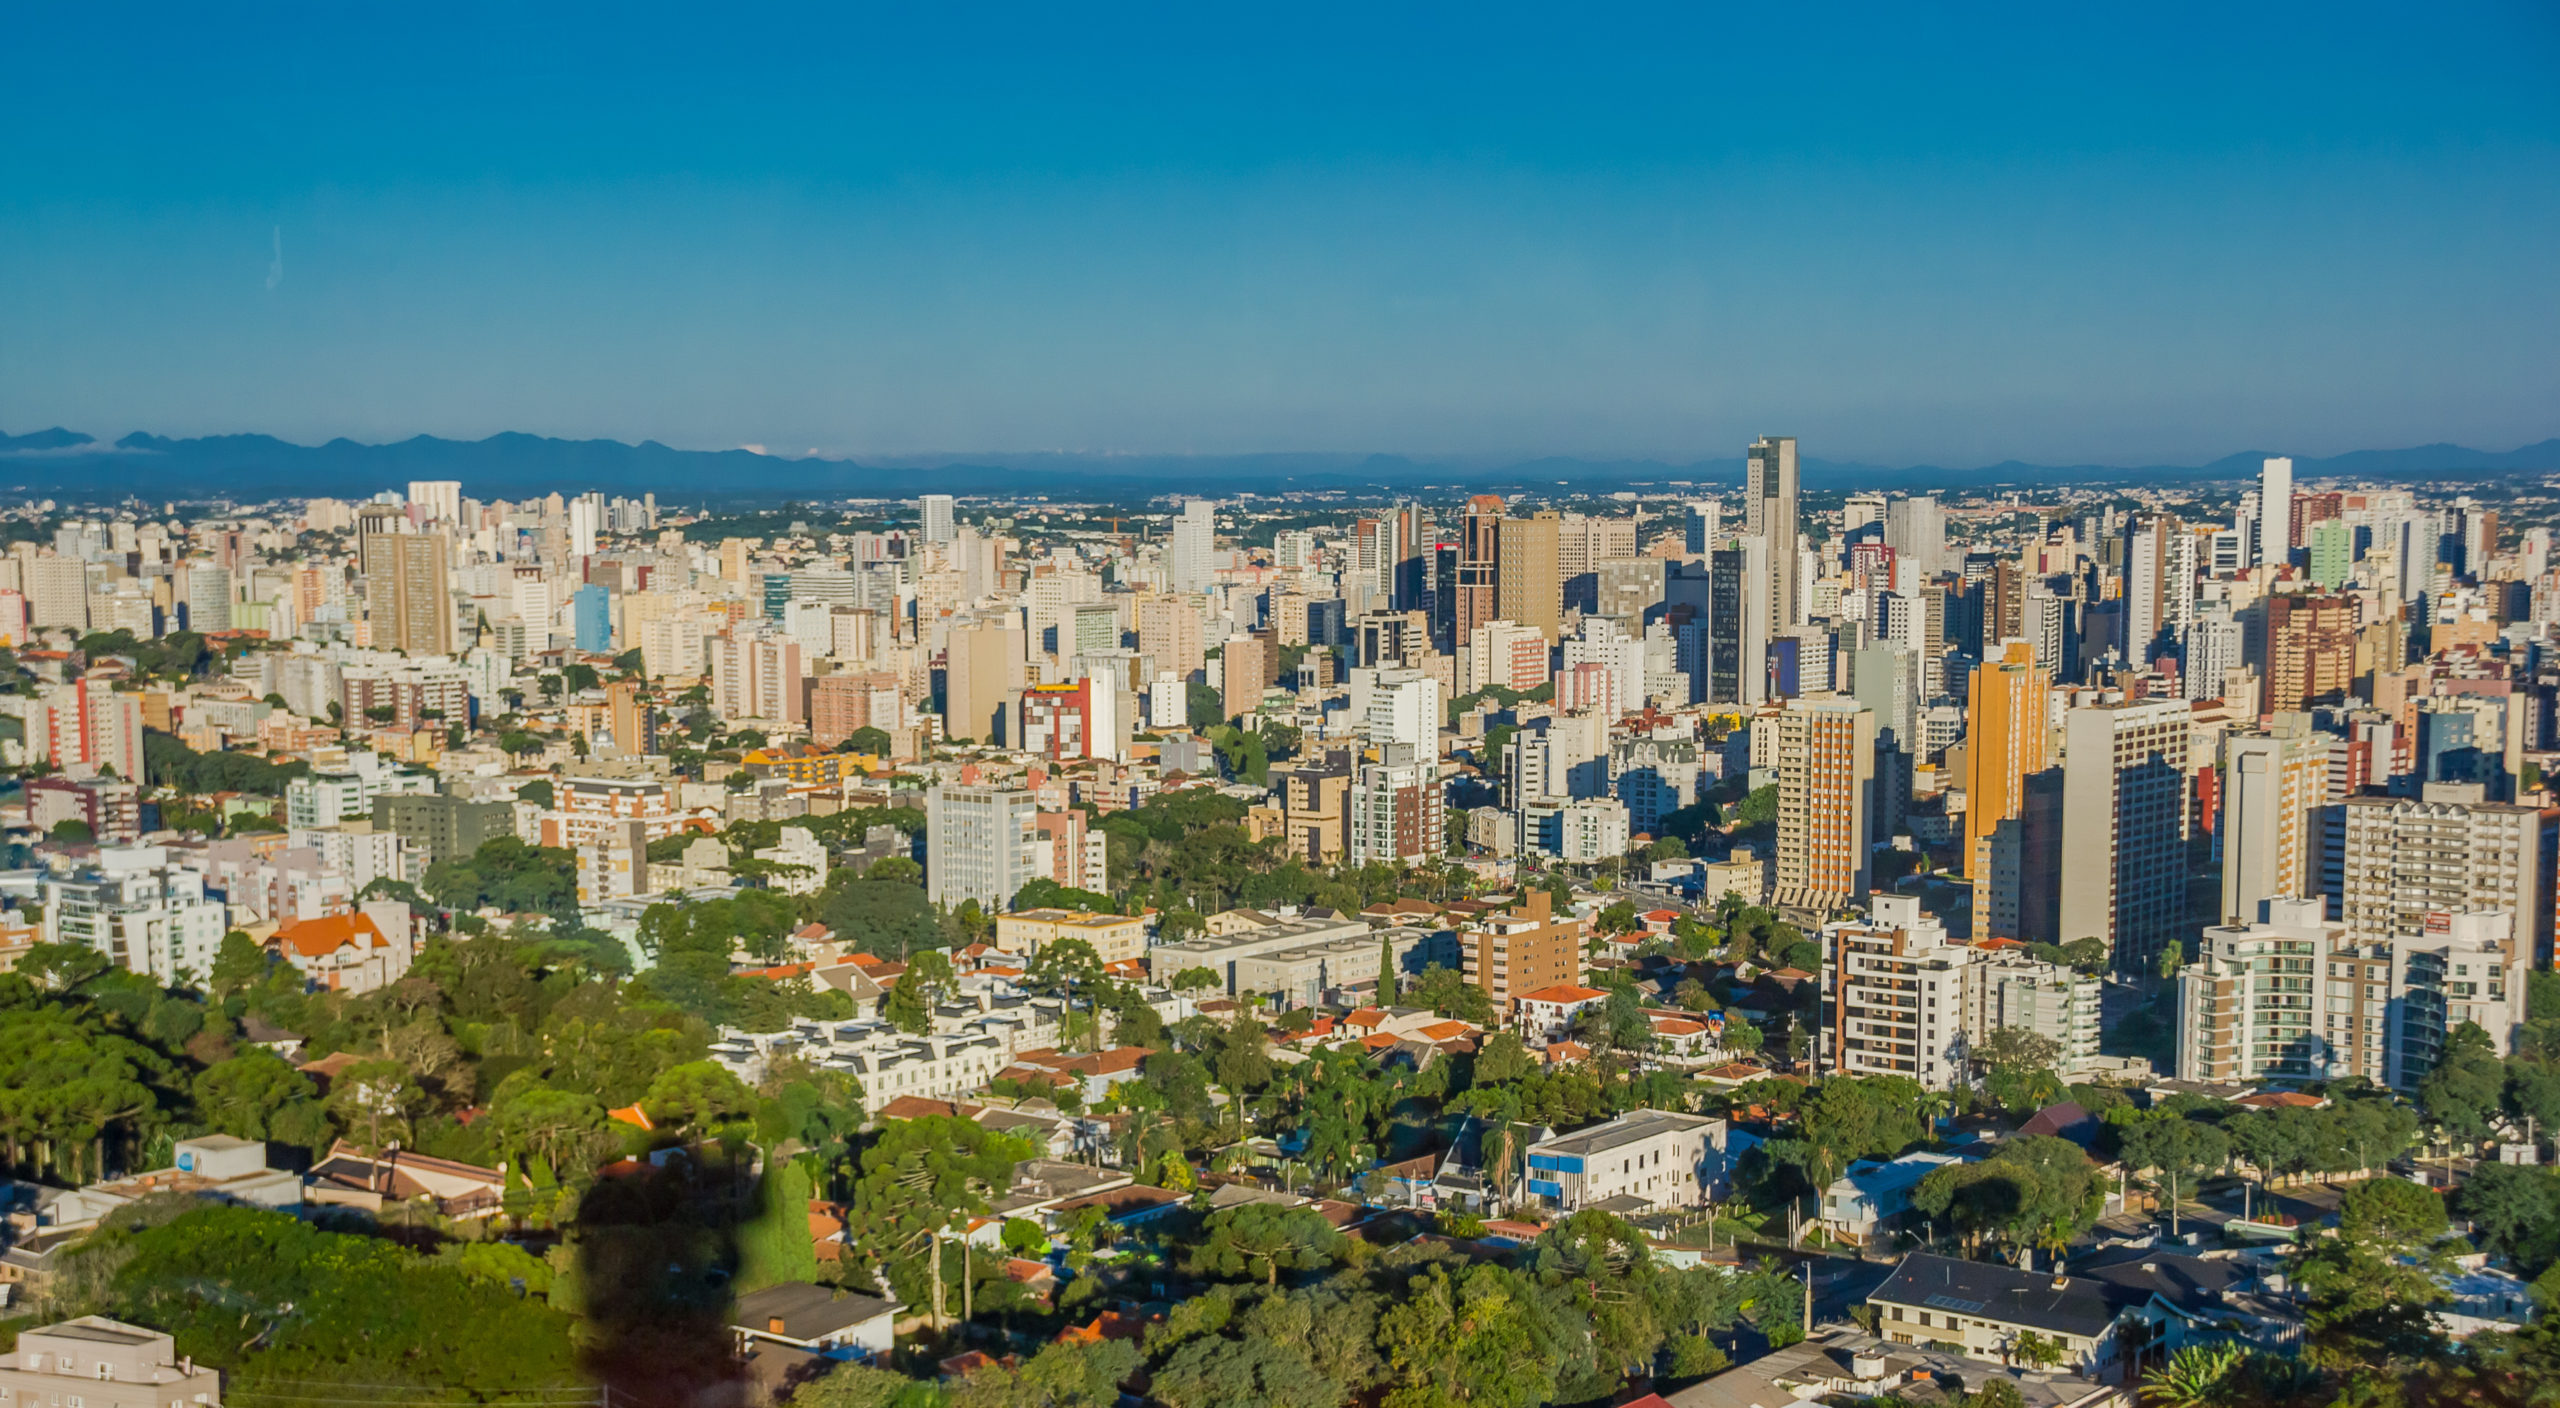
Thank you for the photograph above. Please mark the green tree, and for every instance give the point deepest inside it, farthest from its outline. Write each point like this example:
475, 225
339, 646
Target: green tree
1263, 1240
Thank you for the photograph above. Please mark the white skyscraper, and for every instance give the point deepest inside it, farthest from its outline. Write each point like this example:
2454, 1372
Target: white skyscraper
2275, 512
1195, 540
586, 519
935, 511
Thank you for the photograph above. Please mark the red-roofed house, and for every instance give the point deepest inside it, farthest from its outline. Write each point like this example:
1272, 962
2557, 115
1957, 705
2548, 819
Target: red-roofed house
1547, 1014
342, 952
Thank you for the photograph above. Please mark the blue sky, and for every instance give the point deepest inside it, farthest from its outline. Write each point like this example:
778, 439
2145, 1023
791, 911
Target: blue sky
1905, 233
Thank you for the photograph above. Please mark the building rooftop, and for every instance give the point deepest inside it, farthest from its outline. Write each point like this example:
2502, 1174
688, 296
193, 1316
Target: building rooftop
1629, 1128
805, 1311
2039, 1300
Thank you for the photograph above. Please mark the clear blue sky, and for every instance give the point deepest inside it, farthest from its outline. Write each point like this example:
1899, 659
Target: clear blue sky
1904, 232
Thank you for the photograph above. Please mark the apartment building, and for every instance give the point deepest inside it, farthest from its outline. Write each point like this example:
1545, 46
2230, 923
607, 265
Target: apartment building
1985, 1308
1395, 807
2392, 861
1515, 953
2296, 997
1902, 998
143, 913
1115, 938
1826, 759
1641, 1161
2124, 826
1312, 815
981, 843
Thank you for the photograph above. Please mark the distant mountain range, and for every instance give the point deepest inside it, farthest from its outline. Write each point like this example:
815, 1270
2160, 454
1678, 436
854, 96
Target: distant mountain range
61, 463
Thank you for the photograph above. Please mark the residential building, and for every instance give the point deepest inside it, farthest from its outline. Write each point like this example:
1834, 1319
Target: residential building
2005, 730
1642, 1161
1521, 950
404, 697
1394, 808
759, 677
1072, 852
1898, 994
1528, 583
2309, 646
1082, 719
408, 601
1582, 831
2124, 826
1826, 789
818, 1319
1867, 1201
2392, 861
1985, 1308
142, 912
440, 828
92, 730
981, 843
2294, 997
346, 953
2273, 780
933, 515
100, 1363
1114, 938
1546, 1016
1192, 565
982, 674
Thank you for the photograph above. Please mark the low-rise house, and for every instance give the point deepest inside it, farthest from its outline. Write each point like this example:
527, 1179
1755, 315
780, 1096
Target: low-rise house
94, 1362
343, 952
1864, 1202
1547, 1014
1985, 1309
817, 1319
1641, 1161
351, 1177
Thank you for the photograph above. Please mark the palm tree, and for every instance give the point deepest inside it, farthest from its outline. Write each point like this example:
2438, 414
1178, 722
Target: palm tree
2193, 1377
2055, 1239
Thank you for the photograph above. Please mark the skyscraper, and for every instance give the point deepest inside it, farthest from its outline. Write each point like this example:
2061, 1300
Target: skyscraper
1193, 565
934, 511
436, 500
2004, 746
1479, 556
2309, 648
1770, 512
2275, 512
2124, 826
1916, 529
1528, 585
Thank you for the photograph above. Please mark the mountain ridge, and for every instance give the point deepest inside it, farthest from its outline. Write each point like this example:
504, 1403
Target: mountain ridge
58, 462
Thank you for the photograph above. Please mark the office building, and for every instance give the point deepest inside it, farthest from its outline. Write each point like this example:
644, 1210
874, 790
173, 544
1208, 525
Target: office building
1826, 795
2124, 826
1478, 566
981, 843
983, 671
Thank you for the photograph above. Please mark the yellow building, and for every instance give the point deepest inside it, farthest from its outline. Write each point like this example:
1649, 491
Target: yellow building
1116, 938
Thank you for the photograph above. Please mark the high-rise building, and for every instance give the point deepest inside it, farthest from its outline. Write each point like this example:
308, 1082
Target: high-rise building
2124, 826
2290, 997
1698, 526
1902, 998
933, 513
1395, 807
1401, 709
406, 596
2275, 512
2273, 780
586, 524
759, 677
981, 843
2212, 652
1915, 527
1078, 720
435, 500
1193, 565
1169, 634
1739, 626
2309, 647
1528, 584
1245, 668
1479, 565
591, 613
2005, 727
983, 673
1770, 513
2396, 860
92, 730
1506, 653
1826, 786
